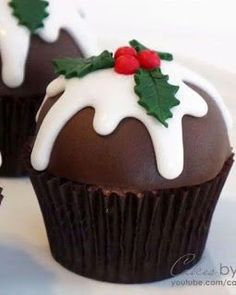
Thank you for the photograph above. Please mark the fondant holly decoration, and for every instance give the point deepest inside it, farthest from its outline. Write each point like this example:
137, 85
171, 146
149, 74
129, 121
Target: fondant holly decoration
139, 47
79, 67
126, 60
149, 59
30, 13
126, 50
126, 64
156, 95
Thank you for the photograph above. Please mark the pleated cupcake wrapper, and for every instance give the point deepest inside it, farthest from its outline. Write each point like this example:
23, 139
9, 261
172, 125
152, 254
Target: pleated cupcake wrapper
130, 238
17, 123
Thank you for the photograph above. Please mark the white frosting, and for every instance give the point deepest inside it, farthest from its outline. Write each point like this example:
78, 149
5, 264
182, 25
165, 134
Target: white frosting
15, 39
113, 98
196, 79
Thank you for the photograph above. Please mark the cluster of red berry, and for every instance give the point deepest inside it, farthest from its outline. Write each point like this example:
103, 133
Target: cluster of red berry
128, 60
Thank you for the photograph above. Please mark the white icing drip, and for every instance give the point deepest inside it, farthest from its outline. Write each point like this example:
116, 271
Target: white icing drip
15, 39
113, 98
196, 79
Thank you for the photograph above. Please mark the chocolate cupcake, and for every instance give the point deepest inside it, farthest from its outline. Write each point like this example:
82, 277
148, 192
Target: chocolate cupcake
31, 35
130, 156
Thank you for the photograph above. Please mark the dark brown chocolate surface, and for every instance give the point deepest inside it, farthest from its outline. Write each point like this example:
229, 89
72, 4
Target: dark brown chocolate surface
39, 68
125, 238
126, 160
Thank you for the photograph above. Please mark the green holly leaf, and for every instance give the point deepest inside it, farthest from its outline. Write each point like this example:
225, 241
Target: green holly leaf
79, 67
156, 95
30, 13
163, 55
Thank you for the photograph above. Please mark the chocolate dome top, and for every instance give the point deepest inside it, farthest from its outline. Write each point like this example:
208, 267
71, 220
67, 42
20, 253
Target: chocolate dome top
39, 68
126, 160
92, 130
29, 44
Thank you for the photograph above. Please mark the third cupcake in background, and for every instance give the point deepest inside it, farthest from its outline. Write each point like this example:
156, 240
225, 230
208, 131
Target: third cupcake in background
130, 156
32, 33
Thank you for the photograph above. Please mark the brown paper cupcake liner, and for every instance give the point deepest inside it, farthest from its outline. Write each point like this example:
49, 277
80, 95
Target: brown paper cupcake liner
130, 238
17, 123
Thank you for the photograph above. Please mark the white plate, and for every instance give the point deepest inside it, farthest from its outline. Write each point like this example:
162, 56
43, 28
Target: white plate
27, 268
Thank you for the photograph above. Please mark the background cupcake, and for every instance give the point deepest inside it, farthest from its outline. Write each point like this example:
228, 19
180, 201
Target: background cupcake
1, 197
129, 160
32, 33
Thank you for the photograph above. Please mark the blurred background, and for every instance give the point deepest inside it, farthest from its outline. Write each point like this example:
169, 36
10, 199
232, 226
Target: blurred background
201, 29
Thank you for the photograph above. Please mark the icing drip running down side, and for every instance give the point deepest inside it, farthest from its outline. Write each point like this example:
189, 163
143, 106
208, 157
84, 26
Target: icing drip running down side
113, 98
62, 15
196, 79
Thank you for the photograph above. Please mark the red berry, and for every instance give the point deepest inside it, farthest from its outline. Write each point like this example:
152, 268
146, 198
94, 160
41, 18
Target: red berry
126, 64
149, 59
126, 50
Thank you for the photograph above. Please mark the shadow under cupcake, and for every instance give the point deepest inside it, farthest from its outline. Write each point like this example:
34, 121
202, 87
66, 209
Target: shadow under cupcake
128, 164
